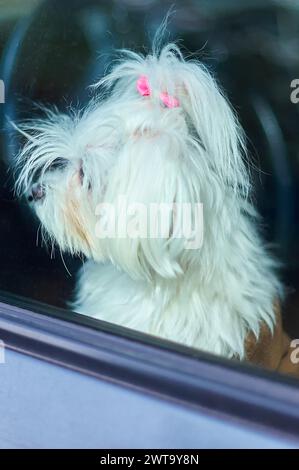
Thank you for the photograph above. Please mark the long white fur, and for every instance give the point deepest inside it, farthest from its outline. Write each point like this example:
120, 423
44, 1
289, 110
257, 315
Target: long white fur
134, 146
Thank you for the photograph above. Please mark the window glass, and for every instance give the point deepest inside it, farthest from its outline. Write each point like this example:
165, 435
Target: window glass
52, 52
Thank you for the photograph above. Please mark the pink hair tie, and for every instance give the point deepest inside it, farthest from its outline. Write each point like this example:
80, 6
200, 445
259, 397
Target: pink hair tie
143, 86
169, 101
144, 89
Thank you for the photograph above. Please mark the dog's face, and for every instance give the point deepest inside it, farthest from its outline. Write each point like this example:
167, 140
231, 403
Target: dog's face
65, 176
80, 171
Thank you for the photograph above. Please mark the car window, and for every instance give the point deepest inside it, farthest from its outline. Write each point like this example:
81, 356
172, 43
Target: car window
51, 54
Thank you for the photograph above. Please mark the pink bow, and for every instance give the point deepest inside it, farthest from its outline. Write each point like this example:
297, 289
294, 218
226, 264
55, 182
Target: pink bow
145, 90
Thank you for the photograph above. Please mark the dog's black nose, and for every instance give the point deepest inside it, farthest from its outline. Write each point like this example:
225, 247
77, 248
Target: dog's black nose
37, 193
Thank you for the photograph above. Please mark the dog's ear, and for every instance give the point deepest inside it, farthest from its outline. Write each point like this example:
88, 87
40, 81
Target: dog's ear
214, 124
154, 191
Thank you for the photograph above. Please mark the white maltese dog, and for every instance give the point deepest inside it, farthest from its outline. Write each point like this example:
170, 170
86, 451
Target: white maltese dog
162, 135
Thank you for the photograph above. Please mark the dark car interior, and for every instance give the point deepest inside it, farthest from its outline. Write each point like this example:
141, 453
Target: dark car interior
251, 47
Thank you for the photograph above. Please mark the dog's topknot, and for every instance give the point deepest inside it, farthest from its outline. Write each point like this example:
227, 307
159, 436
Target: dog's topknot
173, 89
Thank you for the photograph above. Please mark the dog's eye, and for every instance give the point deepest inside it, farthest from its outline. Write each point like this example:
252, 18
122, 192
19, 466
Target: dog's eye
58, 163
82, 177
81, 173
